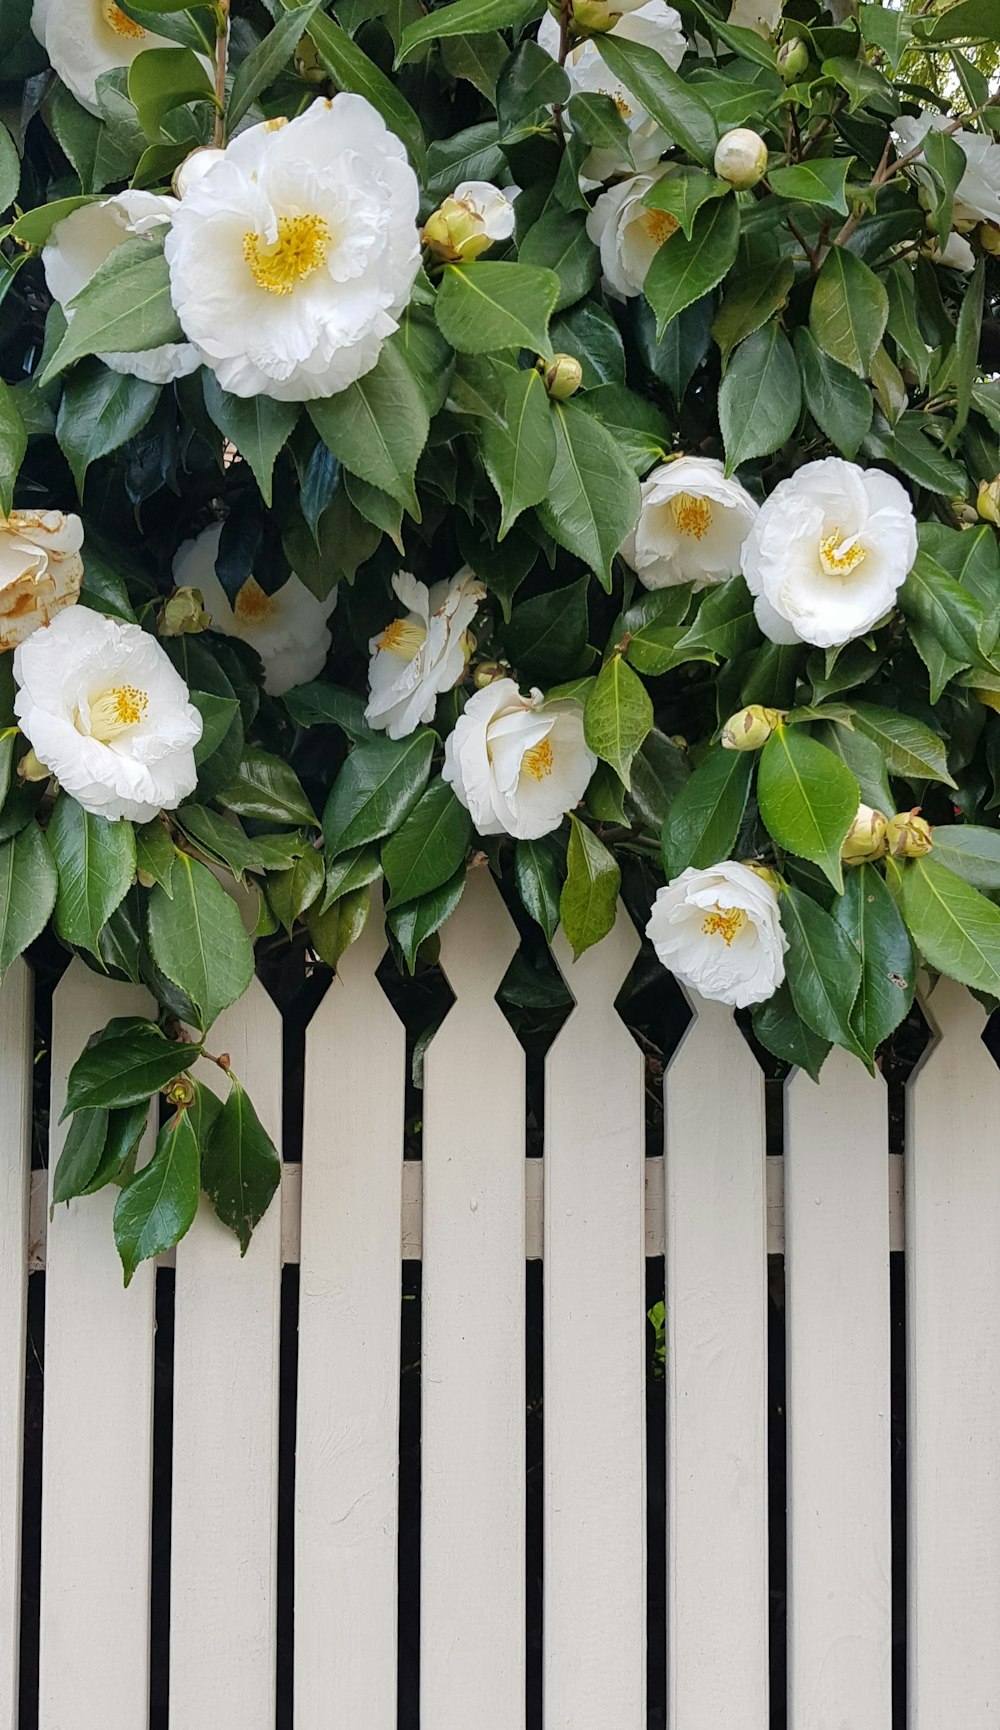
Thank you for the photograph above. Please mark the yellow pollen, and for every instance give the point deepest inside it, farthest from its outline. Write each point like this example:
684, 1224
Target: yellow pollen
252, 605
692, 516
724, 923
116, 710
277, 266
120, 22
276, 123
839, 558
659, 225
404, 637
538, 761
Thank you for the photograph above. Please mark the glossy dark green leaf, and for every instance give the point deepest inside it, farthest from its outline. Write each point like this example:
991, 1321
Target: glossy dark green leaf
669, 98
127, 1062
125, 307
808, 799
683, 270
683, 193
98, 412
466, 18
750, 299
320, 704
618, 716
781, 1030
257, 425
155, 1210
335, 926
428, 847
539, 869
589, 899
80, 1156
704, 819
240, 1167
376, 790
819, 181
160, 79
840, 404
13, 444
378, 426
761, 397
198, 941
593, 501
28, 884
909, 747
267, 788
484, 306
264, 62
869, 915
519, 451
96, 862
547, 636
956, 929
559, 241
849, 309
823, 969
413, 922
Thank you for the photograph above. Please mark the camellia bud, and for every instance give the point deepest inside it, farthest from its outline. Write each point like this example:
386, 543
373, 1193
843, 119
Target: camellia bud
750, 728
908, 835
866, 838
563, 376
988, 501
180, 1091
183, 615
194, 168
988, 236
308, 64
741, 158
487, 672
594, 15
765, 872
31, 768
793, 58
456, 230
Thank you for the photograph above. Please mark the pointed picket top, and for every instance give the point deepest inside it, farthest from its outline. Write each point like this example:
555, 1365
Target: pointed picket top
711, 1028
954, 1014
480, 940
361, 960
601, 971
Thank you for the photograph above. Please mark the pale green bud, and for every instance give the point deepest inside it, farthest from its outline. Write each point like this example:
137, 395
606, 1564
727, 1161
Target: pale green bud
563, 376
741, 158
487, 673
866, 838
750, 728
988, 236
793, 58
908, 835
456, 231
31, 768
988, 501
183, 614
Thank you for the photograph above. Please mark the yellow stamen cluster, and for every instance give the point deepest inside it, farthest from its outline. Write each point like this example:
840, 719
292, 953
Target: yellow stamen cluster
278, 266
659, 225
252, 605
120, 22
538, 761
839, 558
116, 710
725, 923
404, 637
692, 516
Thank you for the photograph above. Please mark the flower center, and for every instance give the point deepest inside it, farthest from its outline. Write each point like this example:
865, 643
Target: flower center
120, 22
692, 516
724, 923
114, 711
840, 557
252, 605
619, 101
659, 225
404, 637
279, 265
538, 761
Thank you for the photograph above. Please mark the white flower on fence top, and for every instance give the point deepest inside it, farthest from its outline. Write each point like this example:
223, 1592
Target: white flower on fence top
692, 525
518, 764
718, 931
288, 629
627, 233
417, 658
79, 245
828, 552
977, 196
106, 712
84, 38
657, 26
291, 258
40, 570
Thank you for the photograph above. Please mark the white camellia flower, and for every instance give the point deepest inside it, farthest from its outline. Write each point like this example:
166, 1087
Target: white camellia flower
955, 254
518, 764
627, 233
718, 931
474, 218
195, 167
657, 26
40, 570
79, 245
291, 258
692, 525
288, 629
977, 197
764, 16
84, 38
417, 658
827, 553
107, 714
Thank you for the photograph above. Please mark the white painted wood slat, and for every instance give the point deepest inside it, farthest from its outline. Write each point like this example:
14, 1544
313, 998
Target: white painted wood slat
595, 1567
15, 1172
953, 1373
716, 1368
472, 1668
97, 1444
837, 1304
223, 1548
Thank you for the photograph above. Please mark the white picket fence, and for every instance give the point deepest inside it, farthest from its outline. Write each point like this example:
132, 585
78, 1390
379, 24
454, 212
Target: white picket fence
475, 1210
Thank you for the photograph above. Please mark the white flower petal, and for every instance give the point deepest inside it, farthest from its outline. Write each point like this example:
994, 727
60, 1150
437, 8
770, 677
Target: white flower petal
718, 930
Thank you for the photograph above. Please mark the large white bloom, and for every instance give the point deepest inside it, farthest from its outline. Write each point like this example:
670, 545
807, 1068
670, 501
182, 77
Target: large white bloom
288, 629
417, 658
827, 553
656, 25
84, 38
40, 570
718, 931
518, 764
692, 525
292, 257
79, 245
977, 197
627, 233
106, 712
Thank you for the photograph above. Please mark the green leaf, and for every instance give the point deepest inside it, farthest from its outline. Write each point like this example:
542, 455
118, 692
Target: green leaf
257, 425
295, 888
483, 306
96, 862
129, 1060
781, 1030
907, 447
378, 427
559, 241
704, 819
819, 181
547, 635
823, 969
671, 101
413, 922
349, 871
81, 1155
945, 159
904, 324
594, 498
955, 928
641, 430
159, 1205
885, 29
969, 18
869, 915
125, 307
951, 614
808, 799
659, 772
10, 169
160, 79
683, 270
319, 704
479, 59
155, 853
466, 18
428, 847
595, 119
334, 927
28, 883
971, 852
519, 454
376, 790
618, 716
531, 80
240, 1167
967, 343
683, 192
539, 868
849, 309
589, 899
351, 69
726, 623
13, 444
99, 410
840, 404
197, 939
264, 62
126, 1128
761, 397
749, 301
909, 747
268, 788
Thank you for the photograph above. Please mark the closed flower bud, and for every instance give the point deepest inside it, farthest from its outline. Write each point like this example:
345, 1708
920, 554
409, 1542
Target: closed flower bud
988, 236
469, 221
487, 672
594, 15
793, 58
988, 501
750, 728
741, 158
866, 838
908, 835
194, 168
180, 1091
31, 768
183, 614
563, 376
308, 64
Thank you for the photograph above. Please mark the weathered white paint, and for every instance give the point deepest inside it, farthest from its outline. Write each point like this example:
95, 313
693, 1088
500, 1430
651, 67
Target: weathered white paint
716, 1369
15, 1171
837, 1302
97, 1441
348, 1368
223, 1547
472, 1514
953, 1383
595, 1525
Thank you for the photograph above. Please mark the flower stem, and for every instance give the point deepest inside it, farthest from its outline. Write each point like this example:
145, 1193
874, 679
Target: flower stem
221, 61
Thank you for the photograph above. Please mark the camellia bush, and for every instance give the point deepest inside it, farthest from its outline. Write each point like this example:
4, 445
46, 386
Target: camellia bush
564, 442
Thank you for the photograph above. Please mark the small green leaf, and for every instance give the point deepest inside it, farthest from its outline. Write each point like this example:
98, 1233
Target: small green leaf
823, 969
955, 928
96, 862
28, 884
869, 915
808, 799
781, 1030
485, 306
594, 497
378, 426
519, 452
589, 899
257, 425
559, 241
240, 1167
197, 939
125, 307
840, 404
466, 18
267, 788
126, 1127
683, 270
428, 847
761, 398
129, 1060
99, 410
296, 887
849, 310
155, 1210
413, 922
264, 62
319, 704
909, 747
971, 852
13, 444
618, 716
539, 868
951, 614
749, 301
820, 181
683, 192
338, 923
704, 819
376, 790
81, 1155
160, 79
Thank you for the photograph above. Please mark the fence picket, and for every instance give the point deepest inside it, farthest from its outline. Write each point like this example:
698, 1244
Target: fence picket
595, 1565
953, 1394
716, 1368
97, 1443
15, 1173
223, 1548
347, 1446
472, 1668
837, 1306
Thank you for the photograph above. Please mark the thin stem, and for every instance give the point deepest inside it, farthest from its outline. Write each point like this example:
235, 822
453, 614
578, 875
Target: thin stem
221, 61
886, 170
565, 19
